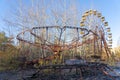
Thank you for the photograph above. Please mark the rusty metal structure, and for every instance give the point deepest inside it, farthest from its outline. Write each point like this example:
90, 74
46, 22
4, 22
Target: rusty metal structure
93, 37
54, 38
50, 36
102, 41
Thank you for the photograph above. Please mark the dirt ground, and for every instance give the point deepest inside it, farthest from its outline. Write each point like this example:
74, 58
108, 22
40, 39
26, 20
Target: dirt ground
26, 74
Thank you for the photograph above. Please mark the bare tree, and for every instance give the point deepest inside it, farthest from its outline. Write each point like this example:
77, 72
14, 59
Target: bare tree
43, 13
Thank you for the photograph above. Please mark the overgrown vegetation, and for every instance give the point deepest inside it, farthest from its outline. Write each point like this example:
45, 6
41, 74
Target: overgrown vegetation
8, 52
117, 53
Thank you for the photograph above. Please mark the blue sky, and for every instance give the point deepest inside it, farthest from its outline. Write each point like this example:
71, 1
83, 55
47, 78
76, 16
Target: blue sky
110, 9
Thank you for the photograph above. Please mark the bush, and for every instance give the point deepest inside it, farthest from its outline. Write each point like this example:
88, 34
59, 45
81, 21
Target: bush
8, 58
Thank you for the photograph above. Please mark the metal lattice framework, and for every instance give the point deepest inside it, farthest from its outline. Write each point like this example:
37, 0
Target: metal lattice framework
54, 38
92, 37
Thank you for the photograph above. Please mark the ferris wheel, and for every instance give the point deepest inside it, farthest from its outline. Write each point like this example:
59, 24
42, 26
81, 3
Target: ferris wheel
99, 33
